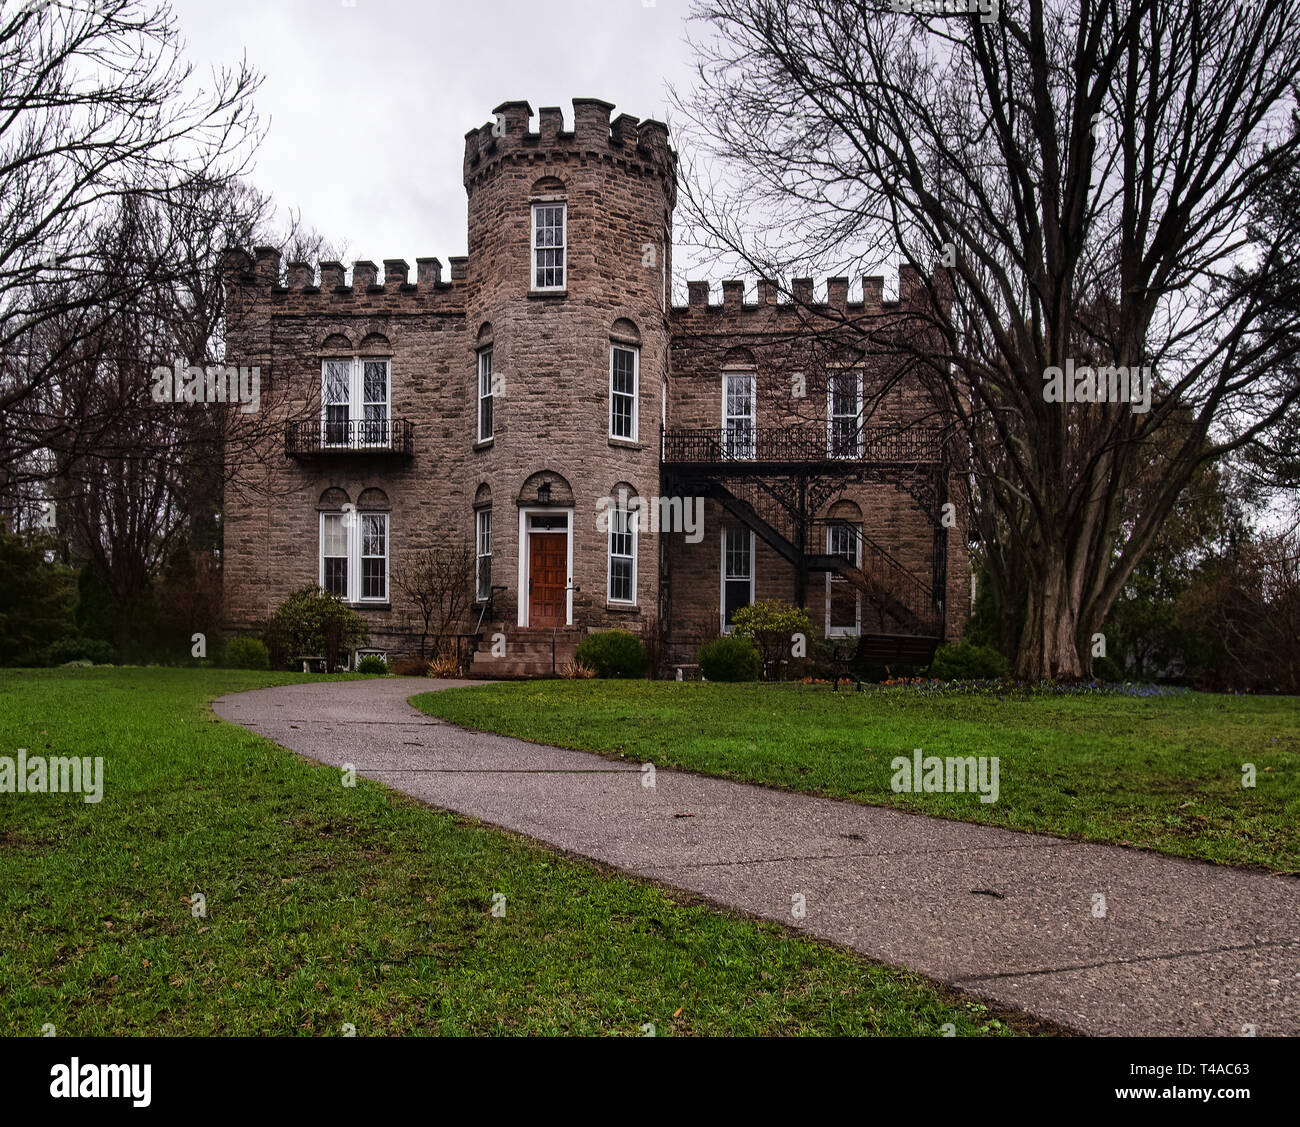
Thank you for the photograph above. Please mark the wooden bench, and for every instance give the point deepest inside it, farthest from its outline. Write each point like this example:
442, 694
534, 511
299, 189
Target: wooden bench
881, 649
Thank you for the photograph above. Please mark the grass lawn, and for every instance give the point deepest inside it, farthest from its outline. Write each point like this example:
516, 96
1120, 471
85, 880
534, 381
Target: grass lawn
329, 905
1163, 773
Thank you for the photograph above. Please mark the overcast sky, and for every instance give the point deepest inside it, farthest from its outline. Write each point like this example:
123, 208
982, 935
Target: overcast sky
368, 101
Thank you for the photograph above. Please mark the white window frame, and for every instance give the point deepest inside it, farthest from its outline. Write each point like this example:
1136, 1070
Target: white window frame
832, 378
485, 354
621, 508
352, 524
482, 551
856, 628
731, 449
727, 530
563, 247
346, 557
356, 402
635, 395
360, 395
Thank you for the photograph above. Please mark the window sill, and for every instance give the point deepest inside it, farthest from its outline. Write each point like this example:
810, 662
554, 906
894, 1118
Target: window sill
548, 293
627, 443
370, 606
484, 443
622, 608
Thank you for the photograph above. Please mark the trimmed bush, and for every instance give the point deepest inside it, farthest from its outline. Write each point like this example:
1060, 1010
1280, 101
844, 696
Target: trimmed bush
730, 658
247, 653
773, 625
965, 662
93, 650
314, 622
613, 653
372, 663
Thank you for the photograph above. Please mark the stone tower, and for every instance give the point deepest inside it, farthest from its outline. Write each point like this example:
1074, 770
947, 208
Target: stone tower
570, 237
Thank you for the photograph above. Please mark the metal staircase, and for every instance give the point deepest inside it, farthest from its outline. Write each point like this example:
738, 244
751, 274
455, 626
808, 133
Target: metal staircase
785, 477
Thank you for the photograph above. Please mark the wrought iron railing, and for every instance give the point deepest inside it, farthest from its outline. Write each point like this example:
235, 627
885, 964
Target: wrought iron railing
801, 443
886, 579
371, 436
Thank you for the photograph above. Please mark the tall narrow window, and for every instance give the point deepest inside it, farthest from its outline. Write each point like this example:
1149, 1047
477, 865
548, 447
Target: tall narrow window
354, 556
738, 414
355, 402
374, 556
336, 399
485, 419
623, 383
622, 553
548, 246
844, 413
737, 572
843, 603
374, 402
334, 555
483, 554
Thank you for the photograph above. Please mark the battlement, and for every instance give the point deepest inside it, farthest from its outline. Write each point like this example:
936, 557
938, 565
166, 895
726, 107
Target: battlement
264, 273
774, 299
624, 138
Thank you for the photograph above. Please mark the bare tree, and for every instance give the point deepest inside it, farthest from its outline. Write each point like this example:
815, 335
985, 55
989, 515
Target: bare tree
1086, 171
1251, 604
439, 581
100, 121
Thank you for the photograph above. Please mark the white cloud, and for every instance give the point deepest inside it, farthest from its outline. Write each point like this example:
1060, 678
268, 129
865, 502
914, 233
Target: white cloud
368, 105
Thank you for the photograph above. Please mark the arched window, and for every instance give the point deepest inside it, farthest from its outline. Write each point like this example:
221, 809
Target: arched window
356, 395
843, 539
550, 235
354, 555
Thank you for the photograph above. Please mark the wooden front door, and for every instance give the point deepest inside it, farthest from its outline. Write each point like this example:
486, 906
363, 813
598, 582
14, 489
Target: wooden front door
548, 567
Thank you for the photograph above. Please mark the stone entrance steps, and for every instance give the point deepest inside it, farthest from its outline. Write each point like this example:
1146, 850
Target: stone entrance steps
527, 652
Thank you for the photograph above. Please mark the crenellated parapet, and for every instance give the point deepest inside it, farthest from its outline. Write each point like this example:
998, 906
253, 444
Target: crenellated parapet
263, 279
631, 143
776, 303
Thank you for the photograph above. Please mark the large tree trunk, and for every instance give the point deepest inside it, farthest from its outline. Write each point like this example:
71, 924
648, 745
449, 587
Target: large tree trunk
1049, 647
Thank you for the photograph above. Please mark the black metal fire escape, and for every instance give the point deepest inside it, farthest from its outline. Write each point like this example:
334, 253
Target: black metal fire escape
775, 480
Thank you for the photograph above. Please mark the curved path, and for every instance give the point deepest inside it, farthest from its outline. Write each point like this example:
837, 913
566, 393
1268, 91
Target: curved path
1183, 948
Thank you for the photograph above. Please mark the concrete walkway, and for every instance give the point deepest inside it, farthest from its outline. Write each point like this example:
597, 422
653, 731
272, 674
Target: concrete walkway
1183, 948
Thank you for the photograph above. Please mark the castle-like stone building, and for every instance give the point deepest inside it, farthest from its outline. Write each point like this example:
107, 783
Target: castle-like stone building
611, 460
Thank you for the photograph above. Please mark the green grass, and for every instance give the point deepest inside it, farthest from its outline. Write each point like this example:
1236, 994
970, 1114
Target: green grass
1162, 773
329, 905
